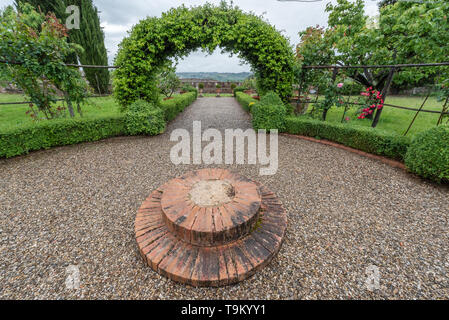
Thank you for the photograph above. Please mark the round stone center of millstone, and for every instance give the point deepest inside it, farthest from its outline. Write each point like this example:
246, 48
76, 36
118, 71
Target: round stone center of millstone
208, 193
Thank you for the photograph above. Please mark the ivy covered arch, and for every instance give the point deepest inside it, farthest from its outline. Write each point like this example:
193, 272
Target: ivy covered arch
154, 41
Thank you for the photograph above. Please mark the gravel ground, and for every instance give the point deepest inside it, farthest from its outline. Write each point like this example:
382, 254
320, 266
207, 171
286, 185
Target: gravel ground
347, 215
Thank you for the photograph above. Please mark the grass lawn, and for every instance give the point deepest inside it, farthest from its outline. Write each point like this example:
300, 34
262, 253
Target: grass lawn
393, 119
209, 95
15, 115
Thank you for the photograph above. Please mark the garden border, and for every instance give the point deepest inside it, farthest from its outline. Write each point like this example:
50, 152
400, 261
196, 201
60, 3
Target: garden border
61, 132
388, 161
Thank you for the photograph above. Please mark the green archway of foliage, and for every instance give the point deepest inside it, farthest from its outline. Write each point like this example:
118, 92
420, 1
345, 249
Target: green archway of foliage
180, 31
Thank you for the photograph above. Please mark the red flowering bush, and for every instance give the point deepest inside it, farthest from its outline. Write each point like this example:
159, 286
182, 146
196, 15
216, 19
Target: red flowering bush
373, 102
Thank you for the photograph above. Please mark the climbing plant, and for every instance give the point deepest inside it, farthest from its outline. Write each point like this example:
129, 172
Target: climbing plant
182, 30
39, 70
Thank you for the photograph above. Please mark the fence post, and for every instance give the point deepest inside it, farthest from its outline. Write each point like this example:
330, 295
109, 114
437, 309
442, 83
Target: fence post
416, 115
384, 96
440, 119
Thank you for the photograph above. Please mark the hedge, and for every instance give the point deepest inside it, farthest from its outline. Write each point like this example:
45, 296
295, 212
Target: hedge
370, 140
428, 154
269, 113
244, 100
59, 132
177, 104
144, 118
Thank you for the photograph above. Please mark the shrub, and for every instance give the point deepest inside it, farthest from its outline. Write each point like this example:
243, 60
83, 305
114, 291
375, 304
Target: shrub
244, 100
269, 113
188, 88
144, 118
173, 107
428, 155
271, 99
201, 85
59, 132
238, 89
362, 138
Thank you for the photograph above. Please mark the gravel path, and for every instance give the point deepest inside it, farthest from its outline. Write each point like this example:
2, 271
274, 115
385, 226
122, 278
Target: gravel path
76, 205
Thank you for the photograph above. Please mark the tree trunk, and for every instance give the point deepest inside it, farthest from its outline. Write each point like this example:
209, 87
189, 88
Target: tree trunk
325, 114
78, 106
384, 96
69, 105
334, 77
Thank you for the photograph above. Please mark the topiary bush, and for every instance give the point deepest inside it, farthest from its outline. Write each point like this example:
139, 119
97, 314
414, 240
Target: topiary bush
428, 155
188, 88
144, 118
269, 113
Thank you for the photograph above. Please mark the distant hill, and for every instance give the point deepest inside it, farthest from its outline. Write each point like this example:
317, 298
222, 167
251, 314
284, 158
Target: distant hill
218, 76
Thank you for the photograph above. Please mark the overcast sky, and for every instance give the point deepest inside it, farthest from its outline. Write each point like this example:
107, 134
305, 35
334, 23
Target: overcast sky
288, 16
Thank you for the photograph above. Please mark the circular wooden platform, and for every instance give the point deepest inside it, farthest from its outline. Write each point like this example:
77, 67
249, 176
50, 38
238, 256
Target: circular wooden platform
210, 228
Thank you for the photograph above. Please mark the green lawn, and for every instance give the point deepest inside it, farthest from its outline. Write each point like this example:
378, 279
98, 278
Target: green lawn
15, 115
394, 119
210, 95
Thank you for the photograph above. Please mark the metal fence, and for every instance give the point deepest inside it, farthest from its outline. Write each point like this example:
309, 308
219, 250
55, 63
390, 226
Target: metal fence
336, 68
393, 69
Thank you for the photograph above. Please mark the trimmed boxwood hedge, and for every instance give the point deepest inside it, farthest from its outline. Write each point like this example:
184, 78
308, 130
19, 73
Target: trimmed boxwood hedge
60, 132
144, 118
428, 154
269, 113
173, 107
245, 100
370, 140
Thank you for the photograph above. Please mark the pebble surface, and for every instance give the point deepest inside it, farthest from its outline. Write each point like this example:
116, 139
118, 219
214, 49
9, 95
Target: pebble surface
350, 219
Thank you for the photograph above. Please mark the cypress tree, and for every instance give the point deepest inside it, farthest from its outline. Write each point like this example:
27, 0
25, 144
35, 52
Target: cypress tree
90, 36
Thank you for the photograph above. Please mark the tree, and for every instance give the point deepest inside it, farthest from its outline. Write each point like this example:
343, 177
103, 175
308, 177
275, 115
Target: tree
386, 3
168, 81
90, 36
314, 49
406, 33
40, 70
